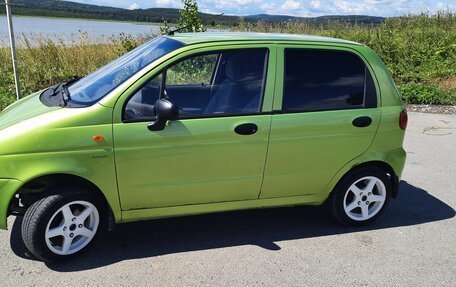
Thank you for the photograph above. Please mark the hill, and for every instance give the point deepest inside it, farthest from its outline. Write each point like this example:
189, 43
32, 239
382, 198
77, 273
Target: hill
67, 9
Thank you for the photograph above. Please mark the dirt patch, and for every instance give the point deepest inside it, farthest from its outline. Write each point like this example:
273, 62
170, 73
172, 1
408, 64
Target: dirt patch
448, 84
432, 109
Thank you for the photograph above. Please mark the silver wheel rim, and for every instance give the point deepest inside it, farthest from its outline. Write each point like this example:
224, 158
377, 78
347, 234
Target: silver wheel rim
364, 198
72, 227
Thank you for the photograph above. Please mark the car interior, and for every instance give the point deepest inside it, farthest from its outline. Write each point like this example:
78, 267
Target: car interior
235, 87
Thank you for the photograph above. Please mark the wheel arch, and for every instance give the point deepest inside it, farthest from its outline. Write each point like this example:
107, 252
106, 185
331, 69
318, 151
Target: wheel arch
35, 188
384, 166
375, 163
389, 170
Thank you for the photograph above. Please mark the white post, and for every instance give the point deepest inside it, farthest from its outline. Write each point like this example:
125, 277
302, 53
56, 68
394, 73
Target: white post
13, 48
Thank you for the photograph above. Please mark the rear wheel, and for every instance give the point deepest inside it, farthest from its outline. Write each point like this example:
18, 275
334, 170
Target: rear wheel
62, 225
361, 196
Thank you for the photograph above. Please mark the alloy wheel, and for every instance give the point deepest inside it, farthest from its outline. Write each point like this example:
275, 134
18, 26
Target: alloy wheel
364, 198
72, 227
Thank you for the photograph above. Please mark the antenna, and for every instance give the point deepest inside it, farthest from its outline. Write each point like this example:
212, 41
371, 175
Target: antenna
171, 32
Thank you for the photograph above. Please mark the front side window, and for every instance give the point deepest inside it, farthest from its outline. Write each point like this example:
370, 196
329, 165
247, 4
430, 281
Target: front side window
96, 85
217, 83
194, 71
317, 80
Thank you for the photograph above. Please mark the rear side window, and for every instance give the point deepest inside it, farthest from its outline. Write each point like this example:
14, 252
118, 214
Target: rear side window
317, 80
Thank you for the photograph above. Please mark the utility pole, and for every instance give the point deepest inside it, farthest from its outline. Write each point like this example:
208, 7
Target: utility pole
13, 48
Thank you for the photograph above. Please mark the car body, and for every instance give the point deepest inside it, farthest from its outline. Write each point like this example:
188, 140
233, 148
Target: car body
205, 160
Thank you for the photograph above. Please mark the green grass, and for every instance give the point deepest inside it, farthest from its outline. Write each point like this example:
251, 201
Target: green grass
419, 50
47, 61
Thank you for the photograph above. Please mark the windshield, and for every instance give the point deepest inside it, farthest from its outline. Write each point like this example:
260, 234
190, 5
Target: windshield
96, 85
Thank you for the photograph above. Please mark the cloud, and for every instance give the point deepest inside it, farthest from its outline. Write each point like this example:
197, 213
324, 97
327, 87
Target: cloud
316, 4
294, 7
268, 8
134, 6
168, 3
233, 4
291, 5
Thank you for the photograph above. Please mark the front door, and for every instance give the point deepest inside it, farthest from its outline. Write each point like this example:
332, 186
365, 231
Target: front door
325, 115
207, 155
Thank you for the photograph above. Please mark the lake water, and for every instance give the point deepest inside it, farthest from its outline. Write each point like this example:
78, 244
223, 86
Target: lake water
69, 29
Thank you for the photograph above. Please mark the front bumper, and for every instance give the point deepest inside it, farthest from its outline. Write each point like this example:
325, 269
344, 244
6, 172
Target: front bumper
8, 188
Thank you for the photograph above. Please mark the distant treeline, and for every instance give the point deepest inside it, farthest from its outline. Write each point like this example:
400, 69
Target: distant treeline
66, 9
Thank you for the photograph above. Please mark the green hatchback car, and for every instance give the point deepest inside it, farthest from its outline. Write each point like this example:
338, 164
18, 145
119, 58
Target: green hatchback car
198, 123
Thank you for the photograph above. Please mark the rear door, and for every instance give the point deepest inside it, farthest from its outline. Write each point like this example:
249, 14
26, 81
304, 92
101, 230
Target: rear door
325, 114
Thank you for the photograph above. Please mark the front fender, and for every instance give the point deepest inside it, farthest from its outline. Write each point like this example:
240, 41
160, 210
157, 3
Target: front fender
64, 150
8, 188
95, 166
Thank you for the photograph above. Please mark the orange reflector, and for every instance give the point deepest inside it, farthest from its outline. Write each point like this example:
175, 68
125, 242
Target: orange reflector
98, 138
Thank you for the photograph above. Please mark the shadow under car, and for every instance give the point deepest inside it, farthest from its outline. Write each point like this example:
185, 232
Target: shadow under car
261, 227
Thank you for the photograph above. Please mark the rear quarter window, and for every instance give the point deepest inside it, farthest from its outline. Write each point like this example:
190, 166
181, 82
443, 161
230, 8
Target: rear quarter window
319, 80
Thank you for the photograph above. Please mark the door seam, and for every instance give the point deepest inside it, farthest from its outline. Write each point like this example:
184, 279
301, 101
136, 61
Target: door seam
270, 121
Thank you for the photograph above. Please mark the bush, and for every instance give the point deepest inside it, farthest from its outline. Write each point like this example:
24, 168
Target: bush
426, 94
189, 19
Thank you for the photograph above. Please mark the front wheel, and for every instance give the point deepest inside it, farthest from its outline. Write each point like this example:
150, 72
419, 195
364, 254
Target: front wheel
62, 225
361, 196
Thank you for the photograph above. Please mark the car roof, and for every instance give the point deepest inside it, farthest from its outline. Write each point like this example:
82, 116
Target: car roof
208, 37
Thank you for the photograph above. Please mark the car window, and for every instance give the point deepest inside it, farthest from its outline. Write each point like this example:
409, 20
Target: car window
194, 71
141, 104
213, 84
318, 80
98, 84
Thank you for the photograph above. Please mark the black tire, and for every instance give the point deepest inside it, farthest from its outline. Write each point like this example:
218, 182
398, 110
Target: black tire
337, 198
39, 214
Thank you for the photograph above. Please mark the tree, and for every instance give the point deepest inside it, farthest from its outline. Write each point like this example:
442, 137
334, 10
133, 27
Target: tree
189, 19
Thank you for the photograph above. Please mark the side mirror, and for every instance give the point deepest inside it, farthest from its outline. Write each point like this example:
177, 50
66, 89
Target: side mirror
165, 111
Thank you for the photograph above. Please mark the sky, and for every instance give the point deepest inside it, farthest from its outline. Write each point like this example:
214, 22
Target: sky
303, 8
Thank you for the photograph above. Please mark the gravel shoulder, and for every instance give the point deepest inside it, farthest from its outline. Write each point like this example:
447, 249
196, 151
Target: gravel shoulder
413, 244
432, 109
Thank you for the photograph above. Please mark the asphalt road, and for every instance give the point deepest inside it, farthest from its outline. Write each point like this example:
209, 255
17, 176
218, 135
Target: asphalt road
413, 244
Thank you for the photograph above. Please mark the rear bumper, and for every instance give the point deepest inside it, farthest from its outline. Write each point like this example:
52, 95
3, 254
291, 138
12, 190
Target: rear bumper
396, 159
8, 188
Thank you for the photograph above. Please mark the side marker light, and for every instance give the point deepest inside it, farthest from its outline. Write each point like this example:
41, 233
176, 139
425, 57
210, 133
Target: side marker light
98, 138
